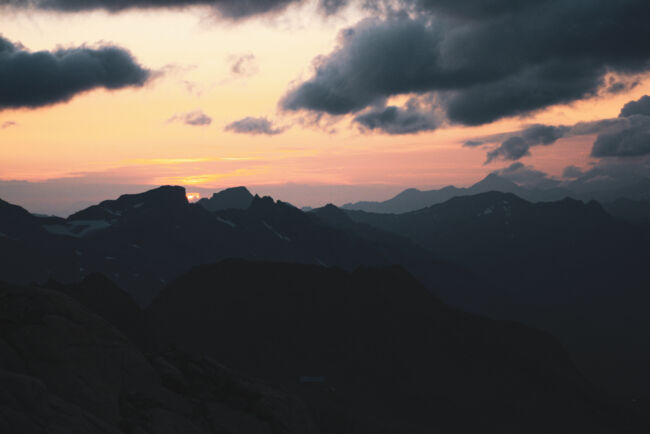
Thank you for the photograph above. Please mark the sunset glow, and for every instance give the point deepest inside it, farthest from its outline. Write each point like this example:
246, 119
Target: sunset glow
179, 127
193, 197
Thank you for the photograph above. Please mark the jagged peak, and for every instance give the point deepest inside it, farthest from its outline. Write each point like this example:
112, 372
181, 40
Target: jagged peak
229, 198
162, 194
331, 213
240, 190
494, 181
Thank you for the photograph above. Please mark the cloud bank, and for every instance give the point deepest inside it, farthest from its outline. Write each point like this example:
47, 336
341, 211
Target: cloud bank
230, 9
484, 60
414, 117
37, 79
627, 135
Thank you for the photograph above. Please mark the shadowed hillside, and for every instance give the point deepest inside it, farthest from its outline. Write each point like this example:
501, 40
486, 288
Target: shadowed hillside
566, 266
374, 351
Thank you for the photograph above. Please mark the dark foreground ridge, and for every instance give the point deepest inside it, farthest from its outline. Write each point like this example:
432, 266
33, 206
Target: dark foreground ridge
369, 351
66, 370
566, 267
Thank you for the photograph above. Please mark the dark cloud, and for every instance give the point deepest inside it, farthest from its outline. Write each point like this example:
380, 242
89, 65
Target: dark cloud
606, 174
474, 9
626, 136
527, 176
632, 141
619, 84
485, 59
371, 64
639, 107
35, 79
243, 65
414, 117
195, 118
572, 172
516, 147
613, 173
232, 9
512, 148
631, 137
332, 6
616, 87
7, 124
252, 125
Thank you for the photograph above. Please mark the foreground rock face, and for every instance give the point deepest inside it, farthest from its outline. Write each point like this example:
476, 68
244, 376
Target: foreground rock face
374, 351
370, 351
65, 370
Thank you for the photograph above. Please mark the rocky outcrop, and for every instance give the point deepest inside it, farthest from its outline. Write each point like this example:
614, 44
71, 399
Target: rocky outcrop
64, 369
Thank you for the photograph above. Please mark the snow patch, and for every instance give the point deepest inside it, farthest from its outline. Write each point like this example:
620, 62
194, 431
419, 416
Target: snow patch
138, 205
276, 233
227, 222
77, 228
111, 212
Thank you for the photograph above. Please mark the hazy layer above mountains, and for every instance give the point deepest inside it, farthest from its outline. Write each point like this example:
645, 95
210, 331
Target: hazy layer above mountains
66, 196
63, 197
413, 199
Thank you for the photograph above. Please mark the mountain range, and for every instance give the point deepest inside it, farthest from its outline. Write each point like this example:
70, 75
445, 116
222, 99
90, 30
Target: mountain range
143, 241
566, 266
413, 199
573, 269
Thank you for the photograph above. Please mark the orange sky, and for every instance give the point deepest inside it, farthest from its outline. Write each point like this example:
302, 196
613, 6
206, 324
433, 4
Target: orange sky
123, 136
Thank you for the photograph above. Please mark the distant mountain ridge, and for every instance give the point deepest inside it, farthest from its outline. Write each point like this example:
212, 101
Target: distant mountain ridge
143, 241
555, 261
413, 199
492, 253
230, 198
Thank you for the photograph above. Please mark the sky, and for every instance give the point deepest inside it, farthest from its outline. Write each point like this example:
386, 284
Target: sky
317, 101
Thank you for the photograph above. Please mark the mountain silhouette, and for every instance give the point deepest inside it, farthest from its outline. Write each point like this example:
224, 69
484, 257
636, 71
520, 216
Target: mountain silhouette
567, 267
413, 199
230, 198
635, 211
143, 241
372, 350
